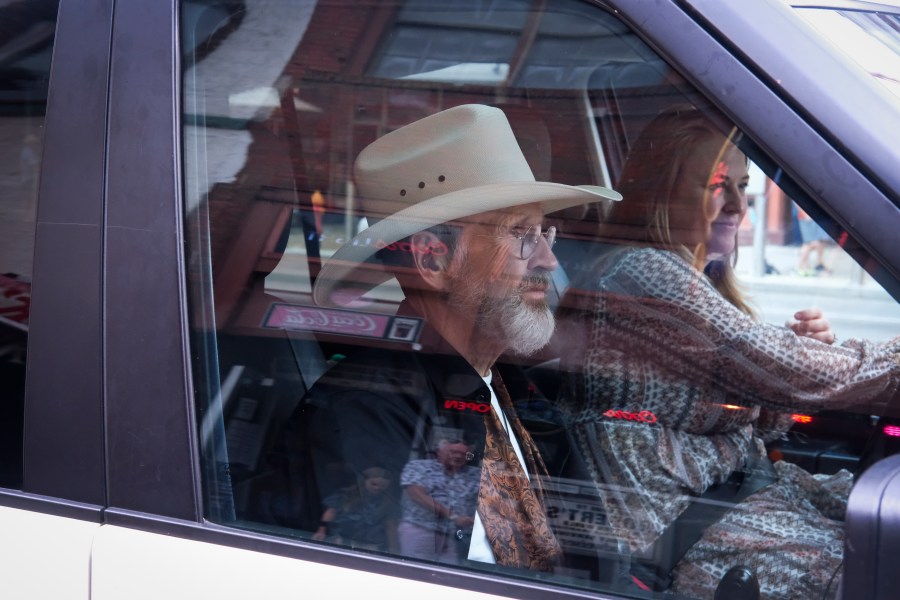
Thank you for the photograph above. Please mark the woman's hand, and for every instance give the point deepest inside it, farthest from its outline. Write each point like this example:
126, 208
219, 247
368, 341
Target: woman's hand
811, 323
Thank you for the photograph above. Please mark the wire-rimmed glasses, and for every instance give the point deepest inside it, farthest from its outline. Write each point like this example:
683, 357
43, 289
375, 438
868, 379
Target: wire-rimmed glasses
532, 237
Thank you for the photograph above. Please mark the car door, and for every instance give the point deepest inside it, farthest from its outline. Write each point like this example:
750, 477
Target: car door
196, 171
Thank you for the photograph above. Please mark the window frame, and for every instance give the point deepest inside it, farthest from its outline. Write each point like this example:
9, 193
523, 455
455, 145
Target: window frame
850, 165
63, 441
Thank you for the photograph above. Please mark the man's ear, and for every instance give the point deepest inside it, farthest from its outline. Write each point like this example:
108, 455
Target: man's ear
431, 258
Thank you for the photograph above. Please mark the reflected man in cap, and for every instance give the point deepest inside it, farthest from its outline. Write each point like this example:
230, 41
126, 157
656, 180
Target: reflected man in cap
438, 494
463, 233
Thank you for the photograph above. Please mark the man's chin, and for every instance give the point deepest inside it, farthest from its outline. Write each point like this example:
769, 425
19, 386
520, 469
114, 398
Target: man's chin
532, 331
536, 304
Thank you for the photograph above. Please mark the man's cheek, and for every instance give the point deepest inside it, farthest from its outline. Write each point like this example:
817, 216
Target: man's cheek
498, 267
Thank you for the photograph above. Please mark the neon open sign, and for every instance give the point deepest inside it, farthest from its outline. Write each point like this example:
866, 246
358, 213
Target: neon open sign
462, 405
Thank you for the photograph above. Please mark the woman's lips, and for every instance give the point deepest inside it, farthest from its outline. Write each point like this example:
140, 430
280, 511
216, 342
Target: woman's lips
725, 224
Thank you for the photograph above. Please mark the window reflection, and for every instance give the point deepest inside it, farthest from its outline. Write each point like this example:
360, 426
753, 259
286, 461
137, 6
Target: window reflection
334, 404
26, 42
869, 38
667, 331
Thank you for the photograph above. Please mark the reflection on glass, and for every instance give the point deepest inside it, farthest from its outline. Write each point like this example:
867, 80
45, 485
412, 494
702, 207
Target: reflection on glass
364, 322
680, 387
872, 39
26, 42
440, 495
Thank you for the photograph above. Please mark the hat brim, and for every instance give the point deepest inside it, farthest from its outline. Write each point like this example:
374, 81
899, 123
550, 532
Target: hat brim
343, 268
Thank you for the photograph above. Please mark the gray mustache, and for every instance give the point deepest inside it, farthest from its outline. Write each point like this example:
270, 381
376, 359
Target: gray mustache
536, 278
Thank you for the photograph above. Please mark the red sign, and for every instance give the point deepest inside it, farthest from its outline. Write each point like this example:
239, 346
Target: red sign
15, 301
309, 318
298, 317
437, 248
463, 405
645, 416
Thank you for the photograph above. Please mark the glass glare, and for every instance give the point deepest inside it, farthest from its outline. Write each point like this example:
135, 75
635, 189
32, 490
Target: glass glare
342, 366
532, 238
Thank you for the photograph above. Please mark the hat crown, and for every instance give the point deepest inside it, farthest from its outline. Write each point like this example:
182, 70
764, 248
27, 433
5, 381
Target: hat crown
462, 147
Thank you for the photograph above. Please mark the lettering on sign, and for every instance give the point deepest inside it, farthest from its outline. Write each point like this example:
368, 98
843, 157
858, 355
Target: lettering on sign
645, 416
463, 405
296, 317
320, 319
437, 248
309, 318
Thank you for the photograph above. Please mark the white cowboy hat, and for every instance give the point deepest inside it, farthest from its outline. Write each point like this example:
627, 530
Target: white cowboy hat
456, 163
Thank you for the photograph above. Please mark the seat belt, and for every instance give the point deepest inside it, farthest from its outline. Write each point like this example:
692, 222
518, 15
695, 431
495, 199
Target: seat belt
654, 568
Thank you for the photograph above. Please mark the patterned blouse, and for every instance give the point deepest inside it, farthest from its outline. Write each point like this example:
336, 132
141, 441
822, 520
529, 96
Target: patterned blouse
672, 378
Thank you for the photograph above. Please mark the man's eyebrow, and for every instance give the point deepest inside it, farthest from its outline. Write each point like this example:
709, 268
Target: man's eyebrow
519, 225
527, 221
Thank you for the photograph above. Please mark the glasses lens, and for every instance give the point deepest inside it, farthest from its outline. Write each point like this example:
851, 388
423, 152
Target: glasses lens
533, 237
530, 241
550, 236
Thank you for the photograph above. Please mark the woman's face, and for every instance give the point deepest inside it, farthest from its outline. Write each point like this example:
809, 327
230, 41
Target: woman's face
709, 199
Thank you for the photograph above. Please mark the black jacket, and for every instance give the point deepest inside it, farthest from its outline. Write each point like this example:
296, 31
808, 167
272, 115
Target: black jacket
384, 408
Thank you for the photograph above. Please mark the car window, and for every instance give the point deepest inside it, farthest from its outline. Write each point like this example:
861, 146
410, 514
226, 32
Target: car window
26, 43
493, 286
868, 37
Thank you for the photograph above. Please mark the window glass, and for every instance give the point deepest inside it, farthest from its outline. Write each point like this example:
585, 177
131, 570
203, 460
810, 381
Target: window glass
426, 326
26, 43
872, 39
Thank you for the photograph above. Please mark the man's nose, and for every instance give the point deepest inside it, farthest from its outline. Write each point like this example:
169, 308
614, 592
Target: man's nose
543, 257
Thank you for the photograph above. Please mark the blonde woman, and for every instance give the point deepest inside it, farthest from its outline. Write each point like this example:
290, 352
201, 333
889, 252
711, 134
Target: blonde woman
676, 385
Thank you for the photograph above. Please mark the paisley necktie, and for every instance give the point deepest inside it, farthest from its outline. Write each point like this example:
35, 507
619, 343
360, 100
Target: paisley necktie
510, 506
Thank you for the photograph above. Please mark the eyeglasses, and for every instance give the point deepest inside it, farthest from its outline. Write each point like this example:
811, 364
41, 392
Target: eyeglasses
532, 237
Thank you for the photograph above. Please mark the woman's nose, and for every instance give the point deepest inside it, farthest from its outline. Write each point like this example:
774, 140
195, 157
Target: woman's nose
735, 199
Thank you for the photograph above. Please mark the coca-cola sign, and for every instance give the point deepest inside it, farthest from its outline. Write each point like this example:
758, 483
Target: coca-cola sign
313, 318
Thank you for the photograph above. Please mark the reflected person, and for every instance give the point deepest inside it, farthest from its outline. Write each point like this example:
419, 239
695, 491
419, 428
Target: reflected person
460, 226
675, 385
439, 499
362, 514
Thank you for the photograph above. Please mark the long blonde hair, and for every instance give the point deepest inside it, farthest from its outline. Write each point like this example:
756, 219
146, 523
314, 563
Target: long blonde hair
649, 176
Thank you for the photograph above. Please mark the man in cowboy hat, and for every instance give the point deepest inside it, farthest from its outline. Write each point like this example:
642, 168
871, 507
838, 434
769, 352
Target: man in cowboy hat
463, 234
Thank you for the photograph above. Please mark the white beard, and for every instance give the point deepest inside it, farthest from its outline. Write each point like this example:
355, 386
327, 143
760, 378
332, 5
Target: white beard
527, 328
521, 328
